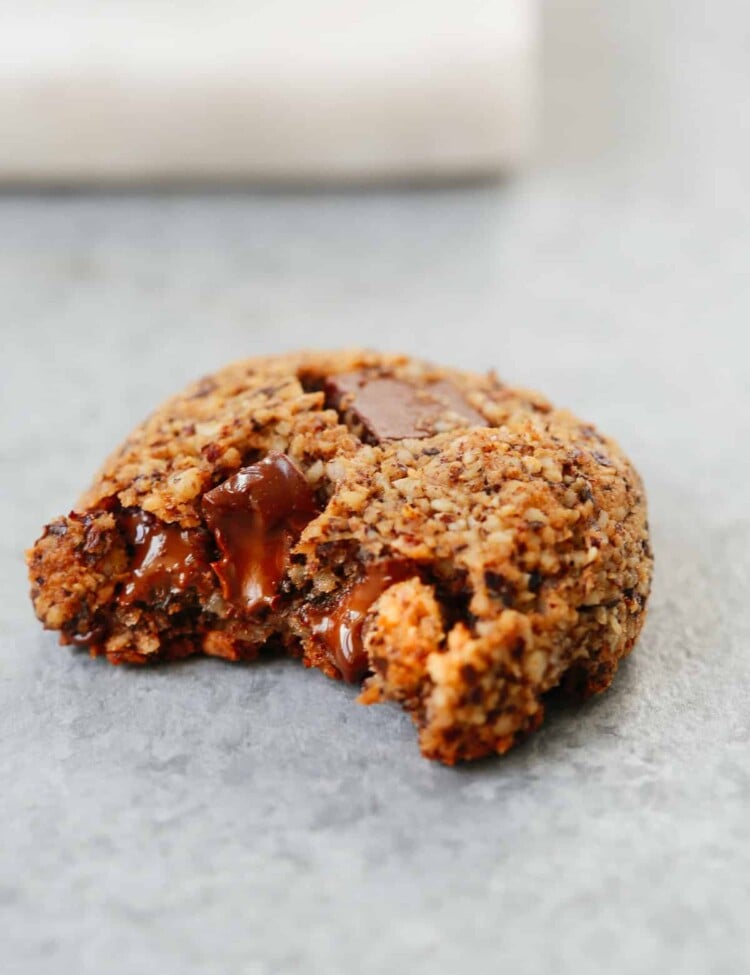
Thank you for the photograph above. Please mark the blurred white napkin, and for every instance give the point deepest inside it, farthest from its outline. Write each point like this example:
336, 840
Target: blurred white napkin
151, 90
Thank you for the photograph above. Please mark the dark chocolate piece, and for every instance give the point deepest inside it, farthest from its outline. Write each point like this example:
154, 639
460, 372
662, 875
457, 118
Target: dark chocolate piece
339, 626
256, 516
95, 635
165, 558
393, 409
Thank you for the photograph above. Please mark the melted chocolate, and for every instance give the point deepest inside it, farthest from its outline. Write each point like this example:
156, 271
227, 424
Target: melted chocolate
94, 635
393, 409
256, 516
165, 558
339, 626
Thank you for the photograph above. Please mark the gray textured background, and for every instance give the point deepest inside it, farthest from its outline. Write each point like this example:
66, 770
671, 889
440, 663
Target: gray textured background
209, 818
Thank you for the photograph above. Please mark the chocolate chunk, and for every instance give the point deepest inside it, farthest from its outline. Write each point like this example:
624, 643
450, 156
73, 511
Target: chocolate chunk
256, 516
393, 409
339, 626
499, 586
95, 635
535, 580
166, 559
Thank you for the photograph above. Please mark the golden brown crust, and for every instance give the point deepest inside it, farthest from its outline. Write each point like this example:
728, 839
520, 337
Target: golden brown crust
524, 542
541, 525
73, 569
407, 626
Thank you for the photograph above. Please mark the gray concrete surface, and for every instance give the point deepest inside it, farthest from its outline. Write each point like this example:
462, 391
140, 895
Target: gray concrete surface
207, 818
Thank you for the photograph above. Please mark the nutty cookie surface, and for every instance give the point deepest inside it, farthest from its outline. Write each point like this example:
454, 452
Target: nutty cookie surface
459, 545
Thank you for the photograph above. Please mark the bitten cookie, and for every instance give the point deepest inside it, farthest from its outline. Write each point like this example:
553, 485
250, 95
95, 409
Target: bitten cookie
459, 545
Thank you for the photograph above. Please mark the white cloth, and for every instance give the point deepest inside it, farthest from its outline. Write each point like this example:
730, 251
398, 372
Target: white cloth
287, 90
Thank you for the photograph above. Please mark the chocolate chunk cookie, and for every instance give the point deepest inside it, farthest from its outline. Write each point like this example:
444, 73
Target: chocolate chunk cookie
459, 545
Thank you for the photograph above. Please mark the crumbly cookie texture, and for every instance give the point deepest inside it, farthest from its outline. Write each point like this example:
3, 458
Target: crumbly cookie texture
459, 544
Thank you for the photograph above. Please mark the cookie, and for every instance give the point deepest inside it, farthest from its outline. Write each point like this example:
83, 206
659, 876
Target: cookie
458, 545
